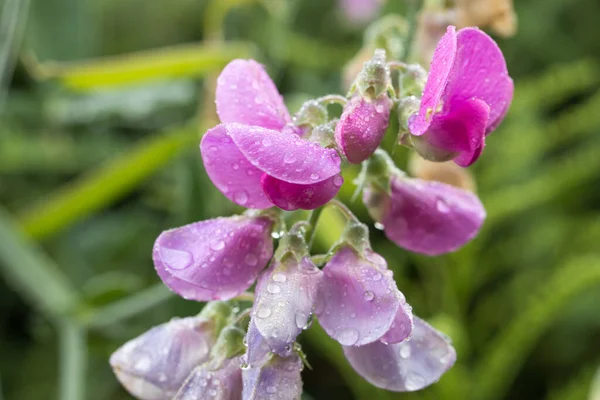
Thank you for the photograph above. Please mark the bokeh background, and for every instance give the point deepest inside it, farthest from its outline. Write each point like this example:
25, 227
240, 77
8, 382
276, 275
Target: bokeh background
99, 154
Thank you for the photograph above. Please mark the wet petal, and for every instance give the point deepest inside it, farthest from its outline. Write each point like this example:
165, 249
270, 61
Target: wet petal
406, 366
441, 66
431, 217
362, 127
258, 348
291, 196
285, 156
402, 326
480, 71
246, 94
278, 379
203, 383
358, 298
229, 170
154, 365
213, 259
285, 301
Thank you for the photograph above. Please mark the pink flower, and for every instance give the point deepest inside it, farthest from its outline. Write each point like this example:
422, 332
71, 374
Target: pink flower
360, 11
252, 159
467, 94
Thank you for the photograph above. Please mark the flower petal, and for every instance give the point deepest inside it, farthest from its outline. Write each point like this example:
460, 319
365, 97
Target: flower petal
213, 259
441, 66
246, 94
285, 156
291, 196
360, 11
431, 217
406, 366
203, 383
480, 71
229, 170
358, 298
402, 326
154, 365
258, 349
285, 301
279, 378
362, 127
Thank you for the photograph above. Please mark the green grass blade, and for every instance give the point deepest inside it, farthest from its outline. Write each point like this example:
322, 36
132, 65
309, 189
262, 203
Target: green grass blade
73, 354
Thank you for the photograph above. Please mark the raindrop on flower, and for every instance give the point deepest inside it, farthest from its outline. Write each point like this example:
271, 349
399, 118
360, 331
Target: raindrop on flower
218, 245
348, 336
263, 312
279, 277
314, 176
404, 350
251, 259
379, 225
273, 288
289, 158
369, 296
241, 197
442, 207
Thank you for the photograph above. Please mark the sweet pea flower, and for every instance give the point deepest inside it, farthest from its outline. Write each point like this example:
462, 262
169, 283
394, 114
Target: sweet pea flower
467, 94
154, 365
278, 379
360, 11
405, 366
214, 259
206, 383
255, 157
426, 217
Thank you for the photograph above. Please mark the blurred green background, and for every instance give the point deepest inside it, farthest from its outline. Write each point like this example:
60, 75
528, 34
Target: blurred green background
98, 157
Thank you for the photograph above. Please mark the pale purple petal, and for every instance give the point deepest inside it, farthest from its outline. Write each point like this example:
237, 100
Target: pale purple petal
292, 196
258, 349
360, 11
402, 326
406, 366
461, 130
285, 156
441, 66
246, 94
358, 298
229, 170
278, 379
203, 383
431, 217
213, 259
285, 300
362, 127
154, 365
480, 71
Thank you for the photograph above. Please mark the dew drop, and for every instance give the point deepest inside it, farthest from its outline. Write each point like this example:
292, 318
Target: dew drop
404, 350
271, 389
250, 172
235, 166
266, 142
218, 245
143, 364
279, 277
414, 382
377, 277
379, 225
445, 359
251, 259
241, 197
301, 319
175, 259
273, 288
441, 206
263, 312
369, 296
338, 181
314, 176
289, 158
348, 336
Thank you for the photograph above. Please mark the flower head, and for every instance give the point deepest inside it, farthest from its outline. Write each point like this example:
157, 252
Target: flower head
252, 159
467, 95
206, 383
279, 377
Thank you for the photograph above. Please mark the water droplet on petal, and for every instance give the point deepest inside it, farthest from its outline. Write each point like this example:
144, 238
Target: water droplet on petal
250, 171
441, 206
404, 350
175, 259
338, 181
273, 288
379, 226
143, 364
271, 389
369, 296
218, 245
301, 319
348, 336
414, 381
263, 312
251, 259
289, 158
235, 166
377, 276
279, 277
314, 176
241, 197
266, 142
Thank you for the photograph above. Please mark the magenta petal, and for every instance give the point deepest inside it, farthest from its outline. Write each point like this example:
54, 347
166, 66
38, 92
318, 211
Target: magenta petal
246, 94
402, 326
213, 259
358, 299
285, 300
480, 71
360, 11
441, 66
280, 378
229, 170
291, 196
431, 217
285, 156
362, 127
406, 366
203, 383
154, 365
461, 130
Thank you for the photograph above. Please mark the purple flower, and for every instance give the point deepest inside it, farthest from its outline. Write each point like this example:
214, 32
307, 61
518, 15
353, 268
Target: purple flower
252, 159
467, 94
206, 383
285, 301
359, 301
406, 366
214, 259
154, 365
424, 216
278, 378
360, 11
362, 126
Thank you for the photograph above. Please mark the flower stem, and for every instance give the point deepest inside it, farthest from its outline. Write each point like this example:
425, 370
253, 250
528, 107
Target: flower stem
344, 209
246, 296
313, 219
333, 99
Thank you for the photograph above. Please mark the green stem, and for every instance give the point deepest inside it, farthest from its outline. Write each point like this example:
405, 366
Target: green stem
72, 360
411, 16
333, 99
313, 219
344, 210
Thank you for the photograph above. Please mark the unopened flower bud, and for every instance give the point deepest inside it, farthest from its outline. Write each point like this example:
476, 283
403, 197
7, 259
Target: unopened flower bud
208, 383
374, 78
312, 113
280, 376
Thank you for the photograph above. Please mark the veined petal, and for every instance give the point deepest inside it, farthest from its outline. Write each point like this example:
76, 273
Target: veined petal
407, 366
246, 94
285, 301
154, 365
292, 196
441, 66
431, 217
213, 259
358, 298
480, 71
285, 156
203, 383
229, 170
258, 349
278, 379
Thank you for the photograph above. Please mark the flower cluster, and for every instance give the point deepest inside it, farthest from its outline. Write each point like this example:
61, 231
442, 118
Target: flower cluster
244, 345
